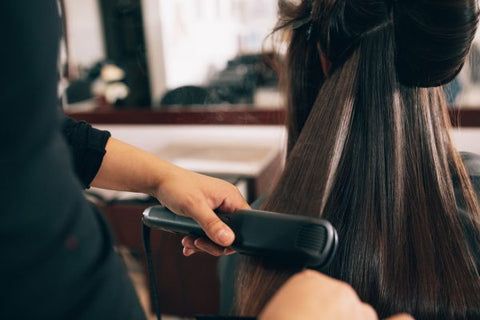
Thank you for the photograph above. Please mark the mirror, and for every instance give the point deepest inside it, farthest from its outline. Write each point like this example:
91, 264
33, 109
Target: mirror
171, 53
464, 91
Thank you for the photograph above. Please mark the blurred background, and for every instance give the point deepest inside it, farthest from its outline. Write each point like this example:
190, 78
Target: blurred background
192, 81
159, 54
155, 54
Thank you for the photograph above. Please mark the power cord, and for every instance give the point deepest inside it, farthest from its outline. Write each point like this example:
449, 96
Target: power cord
152, 281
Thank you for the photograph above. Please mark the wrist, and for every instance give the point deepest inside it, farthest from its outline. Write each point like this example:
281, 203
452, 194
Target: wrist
162, 174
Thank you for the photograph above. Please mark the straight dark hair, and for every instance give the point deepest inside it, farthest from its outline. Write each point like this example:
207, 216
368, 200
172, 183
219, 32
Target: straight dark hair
369, 150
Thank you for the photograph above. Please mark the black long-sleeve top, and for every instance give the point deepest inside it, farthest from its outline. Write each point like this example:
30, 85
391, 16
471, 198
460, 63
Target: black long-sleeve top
56, 254
87, 148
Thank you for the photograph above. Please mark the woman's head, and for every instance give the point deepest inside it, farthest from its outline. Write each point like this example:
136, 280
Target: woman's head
430, 40
369, 150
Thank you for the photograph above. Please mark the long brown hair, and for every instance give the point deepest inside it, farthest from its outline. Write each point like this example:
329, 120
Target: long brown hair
369, 150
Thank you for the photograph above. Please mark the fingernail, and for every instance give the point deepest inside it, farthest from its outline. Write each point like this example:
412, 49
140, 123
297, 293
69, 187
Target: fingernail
187, 251
225, 236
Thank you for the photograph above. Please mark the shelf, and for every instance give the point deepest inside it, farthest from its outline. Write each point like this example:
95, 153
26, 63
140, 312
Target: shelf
242, 115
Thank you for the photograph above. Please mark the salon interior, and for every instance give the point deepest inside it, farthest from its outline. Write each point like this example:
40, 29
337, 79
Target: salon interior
192, 82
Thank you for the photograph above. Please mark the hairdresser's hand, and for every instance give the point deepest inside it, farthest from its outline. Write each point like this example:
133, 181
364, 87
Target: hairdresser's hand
128, 168
195, 196
312, 295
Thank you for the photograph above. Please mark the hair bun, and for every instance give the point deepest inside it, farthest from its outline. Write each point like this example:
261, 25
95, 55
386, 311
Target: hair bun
433, 38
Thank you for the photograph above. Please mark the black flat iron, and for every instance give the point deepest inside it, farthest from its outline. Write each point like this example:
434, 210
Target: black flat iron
309, 242
283, 238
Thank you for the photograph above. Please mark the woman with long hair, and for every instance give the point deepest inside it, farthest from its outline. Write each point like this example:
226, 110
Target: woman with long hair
369, 150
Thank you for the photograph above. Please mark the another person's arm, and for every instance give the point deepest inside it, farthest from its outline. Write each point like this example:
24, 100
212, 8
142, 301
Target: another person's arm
313, 296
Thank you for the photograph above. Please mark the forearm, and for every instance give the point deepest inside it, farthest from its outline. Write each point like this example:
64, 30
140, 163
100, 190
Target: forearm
127, 168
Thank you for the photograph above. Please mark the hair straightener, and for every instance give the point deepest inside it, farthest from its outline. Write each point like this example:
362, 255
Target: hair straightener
307, 241
286, 239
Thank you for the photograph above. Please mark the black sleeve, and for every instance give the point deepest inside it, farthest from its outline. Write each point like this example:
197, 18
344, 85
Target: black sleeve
87, 147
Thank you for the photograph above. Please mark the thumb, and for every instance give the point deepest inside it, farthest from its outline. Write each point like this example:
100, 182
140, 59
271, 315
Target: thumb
402, 316
233, 202
215, 228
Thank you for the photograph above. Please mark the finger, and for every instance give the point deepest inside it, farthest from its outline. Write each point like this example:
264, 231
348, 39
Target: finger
188, 252
233, 202
189, 247
209, 247
188, 242
215, 229
402, 316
